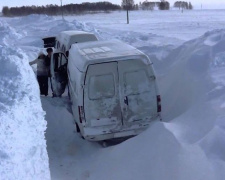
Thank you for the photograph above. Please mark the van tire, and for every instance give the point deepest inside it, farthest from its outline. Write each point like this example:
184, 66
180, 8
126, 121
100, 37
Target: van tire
77, 128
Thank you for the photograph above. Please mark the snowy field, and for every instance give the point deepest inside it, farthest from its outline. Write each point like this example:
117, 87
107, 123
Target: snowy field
188, 52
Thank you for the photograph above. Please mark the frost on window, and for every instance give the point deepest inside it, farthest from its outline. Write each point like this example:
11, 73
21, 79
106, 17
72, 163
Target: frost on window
136, 82
101, 87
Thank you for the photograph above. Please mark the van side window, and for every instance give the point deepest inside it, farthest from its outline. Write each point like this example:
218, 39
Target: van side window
136, 82
101, 87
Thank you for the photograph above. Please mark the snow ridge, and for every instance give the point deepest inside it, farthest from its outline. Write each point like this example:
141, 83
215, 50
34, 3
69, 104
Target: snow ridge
23, 152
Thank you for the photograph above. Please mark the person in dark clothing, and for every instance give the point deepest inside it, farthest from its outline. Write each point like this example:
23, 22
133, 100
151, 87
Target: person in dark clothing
48, 57
42, 73
43, 84
48, 63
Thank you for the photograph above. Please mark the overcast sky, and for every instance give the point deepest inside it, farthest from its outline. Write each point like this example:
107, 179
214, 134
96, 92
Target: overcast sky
212, 4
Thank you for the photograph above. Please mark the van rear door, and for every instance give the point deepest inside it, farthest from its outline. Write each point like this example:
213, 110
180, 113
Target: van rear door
49, 42
101, 96
138, 91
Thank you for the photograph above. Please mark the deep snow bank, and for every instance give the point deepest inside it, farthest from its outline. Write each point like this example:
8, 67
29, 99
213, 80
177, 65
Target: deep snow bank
8, 34
155, 154
193, 87
185, 72
23, 152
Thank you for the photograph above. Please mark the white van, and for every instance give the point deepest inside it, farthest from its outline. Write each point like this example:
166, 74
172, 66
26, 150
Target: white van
66, 38
112, 87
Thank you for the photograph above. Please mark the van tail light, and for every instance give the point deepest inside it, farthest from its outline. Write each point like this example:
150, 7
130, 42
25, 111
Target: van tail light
81, 113
159, 103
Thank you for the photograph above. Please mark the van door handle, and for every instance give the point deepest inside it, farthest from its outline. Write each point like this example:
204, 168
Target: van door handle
126, 100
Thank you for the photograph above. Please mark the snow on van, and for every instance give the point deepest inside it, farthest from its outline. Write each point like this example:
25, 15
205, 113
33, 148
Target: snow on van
112, 87
66, 38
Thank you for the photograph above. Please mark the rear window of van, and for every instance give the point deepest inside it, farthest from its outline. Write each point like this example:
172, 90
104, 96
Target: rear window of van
101, 87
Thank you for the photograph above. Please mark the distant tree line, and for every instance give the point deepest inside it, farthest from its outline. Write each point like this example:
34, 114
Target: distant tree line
129, 5
105, 6
149, 5
146, 5
56, 10
164, 5
183, 5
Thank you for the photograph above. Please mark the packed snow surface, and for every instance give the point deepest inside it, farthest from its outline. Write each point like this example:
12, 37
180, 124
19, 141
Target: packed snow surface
189, 61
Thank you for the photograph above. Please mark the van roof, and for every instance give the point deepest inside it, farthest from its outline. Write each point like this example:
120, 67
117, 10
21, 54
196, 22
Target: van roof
74, 32
103, 51
71, 37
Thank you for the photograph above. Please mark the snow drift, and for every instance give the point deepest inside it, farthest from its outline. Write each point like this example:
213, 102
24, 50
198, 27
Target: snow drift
23, 152
185, 74
155, 154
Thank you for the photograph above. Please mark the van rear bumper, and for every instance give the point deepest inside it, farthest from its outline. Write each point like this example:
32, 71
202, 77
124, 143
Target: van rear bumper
98, 133
114, 135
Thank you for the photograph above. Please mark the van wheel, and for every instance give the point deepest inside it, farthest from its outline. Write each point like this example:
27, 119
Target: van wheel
77, 128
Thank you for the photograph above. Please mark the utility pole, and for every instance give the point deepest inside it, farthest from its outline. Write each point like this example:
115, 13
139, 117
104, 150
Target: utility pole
127, 17
127, 12
182, 6
62, 9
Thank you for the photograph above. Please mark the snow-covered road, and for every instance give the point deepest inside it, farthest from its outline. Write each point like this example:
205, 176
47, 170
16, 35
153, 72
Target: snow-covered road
69, 154
191, 78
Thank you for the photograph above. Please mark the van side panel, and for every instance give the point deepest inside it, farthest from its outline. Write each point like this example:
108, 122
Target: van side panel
101, 96
49, 42
75, 83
